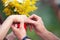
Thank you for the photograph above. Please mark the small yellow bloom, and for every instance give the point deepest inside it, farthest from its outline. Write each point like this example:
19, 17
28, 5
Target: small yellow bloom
7, 11
22, 7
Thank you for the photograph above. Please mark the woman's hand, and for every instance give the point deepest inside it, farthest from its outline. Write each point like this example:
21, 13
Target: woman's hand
8, 22
17, 18
19, 32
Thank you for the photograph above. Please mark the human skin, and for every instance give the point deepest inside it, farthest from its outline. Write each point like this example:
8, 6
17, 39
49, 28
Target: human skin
40, 29
7, 24
20, 32
38, 26
35, 20
10, 36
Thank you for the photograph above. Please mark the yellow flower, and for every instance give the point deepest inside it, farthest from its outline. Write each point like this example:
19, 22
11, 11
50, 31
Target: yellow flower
7, 11
22, 7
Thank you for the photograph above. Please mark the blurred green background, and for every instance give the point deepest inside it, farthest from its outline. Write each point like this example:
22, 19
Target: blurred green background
49, 18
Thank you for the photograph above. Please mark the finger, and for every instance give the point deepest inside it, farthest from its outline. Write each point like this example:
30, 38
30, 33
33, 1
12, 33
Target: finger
14, 28
31, 27
34, 17
16, 25
30, 21
21, 25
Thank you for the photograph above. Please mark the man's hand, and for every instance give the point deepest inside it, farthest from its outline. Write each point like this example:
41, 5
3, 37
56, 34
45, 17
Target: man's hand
40, 29
37, 23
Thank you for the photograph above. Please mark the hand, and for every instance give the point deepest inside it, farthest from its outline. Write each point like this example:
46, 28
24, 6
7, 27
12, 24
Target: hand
37, 23
8, 22
17, 18
40, 29
19, 32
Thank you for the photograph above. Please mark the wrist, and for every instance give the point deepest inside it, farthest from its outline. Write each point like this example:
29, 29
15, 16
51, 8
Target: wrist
26, 38
20, 37
43, 33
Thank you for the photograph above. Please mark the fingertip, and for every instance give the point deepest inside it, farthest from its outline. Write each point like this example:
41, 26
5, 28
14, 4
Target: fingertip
33, 16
